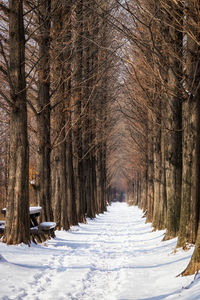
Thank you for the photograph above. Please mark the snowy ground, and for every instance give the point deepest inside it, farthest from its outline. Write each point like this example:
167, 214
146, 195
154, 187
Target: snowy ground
114, 257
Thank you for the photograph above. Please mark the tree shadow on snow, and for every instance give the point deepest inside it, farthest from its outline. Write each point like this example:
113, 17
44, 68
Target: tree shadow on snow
177, 293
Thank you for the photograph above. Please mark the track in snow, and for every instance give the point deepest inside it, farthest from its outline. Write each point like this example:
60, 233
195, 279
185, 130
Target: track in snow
114, 257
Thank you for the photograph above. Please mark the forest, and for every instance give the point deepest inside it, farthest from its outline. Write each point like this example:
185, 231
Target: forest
100, 96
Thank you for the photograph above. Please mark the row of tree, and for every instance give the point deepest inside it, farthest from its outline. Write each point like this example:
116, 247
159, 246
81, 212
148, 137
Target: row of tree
64, 64
54, 66
162, 109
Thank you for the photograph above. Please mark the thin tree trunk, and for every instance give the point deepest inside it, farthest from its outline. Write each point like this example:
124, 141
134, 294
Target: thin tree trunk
156, 223
61, 35
150, 172
77, 110
72, 215
43, 167
173, 138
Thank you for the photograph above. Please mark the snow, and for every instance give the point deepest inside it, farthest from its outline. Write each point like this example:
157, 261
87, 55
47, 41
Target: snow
113, 257
35, 209
32, 210
47, 225
32, 182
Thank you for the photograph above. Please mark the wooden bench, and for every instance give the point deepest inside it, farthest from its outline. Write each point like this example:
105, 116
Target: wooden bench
45, 227
39, 232
42, 231
2, 227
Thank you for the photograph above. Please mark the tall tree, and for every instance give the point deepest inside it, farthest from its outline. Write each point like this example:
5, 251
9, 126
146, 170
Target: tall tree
173, 122
17, 213
43, 167
191, 167
77, 109
59, 58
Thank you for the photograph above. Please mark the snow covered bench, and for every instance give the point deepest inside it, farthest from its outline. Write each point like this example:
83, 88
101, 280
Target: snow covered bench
43, 231
34, 230
35, 210
43, 227
2, 227
39, 232
3, 211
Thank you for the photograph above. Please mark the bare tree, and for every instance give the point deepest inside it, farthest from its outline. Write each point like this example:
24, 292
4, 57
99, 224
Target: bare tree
17, 213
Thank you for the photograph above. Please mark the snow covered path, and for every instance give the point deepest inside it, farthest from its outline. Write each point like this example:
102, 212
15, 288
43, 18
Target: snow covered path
114, 257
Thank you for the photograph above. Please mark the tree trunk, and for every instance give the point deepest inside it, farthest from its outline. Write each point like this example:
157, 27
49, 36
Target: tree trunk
72, 215
150, 171
190, 175
61, 34
143, 201
190, 185
173, 138
43, 167
77, 110
194, 264
163, 196
156, 223
17, 213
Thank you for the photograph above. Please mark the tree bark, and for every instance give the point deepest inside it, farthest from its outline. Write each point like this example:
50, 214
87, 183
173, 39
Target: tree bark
17, 213
173, 137
194, 264
71, 207
150, 171
191, 168
60, 72
77, 111
43, 167
156, 223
